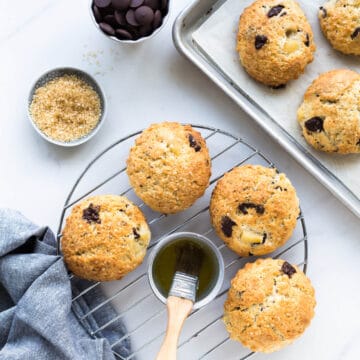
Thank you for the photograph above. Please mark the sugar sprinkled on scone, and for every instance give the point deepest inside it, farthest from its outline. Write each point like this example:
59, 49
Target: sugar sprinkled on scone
270, 303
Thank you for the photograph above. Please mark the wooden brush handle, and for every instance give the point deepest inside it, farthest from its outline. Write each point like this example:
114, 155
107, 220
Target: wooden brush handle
178, 311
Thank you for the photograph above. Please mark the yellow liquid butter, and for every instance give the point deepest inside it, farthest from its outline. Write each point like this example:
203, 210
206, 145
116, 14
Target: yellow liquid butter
164, 268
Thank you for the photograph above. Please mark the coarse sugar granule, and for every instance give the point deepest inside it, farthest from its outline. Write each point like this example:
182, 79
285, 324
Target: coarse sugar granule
66, 108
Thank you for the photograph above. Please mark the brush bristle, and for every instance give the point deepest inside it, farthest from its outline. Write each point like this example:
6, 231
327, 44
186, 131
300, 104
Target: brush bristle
189, 258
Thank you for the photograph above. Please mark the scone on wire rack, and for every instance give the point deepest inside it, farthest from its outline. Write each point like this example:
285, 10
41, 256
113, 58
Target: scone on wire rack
169, 167
329, 114
104, 238
270, 303
275, 41
340, 23
254, 209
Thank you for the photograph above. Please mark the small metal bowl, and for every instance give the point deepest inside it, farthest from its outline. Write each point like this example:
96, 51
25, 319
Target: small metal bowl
114, 38
58, 72
217, 282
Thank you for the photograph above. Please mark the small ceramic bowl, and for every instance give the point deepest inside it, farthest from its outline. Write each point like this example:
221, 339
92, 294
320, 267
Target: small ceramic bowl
114, 38
216, 283
58, 72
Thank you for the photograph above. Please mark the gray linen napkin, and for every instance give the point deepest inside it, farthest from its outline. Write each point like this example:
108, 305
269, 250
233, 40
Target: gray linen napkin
37, 319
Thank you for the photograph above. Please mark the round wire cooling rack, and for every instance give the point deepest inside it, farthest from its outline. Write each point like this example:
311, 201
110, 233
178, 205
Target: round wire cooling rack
144, 316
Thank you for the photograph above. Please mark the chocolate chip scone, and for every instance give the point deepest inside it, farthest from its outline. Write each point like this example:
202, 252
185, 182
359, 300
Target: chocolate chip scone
254, 209
275, 41
105, 237
270, 303
340, 23
329, 115
169, 167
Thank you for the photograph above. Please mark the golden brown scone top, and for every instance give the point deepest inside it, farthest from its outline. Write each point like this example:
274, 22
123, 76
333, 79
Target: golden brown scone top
329, 115
254, 209
104, 238
275, 41
270, 303
340, 23
169, 167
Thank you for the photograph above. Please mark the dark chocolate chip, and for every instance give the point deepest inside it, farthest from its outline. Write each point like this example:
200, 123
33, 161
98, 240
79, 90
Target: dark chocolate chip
144, 15
136, 3
123, 34
106, 28
260, 41
245, 206
315, 124
135, 33
324, 12
102, 3
154, 4
120, 18
355, 33
227, 225
97, 14
91, 214
164, 4
106, 11
110, 19
193, 143
358, 143
157, 19
276, 10
251, 254
307, 41
278, 87
283, 14
264, 238
145, 30
136, 234
120, 4
288, 269
130, 18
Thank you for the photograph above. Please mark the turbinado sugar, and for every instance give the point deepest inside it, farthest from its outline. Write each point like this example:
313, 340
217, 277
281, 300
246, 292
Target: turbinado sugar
66, 108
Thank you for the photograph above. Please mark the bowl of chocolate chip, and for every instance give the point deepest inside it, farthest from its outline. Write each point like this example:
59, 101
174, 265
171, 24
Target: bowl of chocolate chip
129, 21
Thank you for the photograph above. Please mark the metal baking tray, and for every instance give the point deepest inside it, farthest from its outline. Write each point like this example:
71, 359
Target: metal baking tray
188, 22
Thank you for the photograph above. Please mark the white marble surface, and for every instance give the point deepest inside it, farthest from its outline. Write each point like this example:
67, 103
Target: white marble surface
147, 83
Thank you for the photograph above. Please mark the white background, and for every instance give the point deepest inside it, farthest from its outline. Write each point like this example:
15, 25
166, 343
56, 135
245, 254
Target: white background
147, 83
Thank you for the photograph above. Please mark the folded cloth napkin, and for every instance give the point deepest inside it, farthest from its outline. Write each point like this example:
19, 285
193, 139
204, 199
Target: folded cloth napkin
38, 319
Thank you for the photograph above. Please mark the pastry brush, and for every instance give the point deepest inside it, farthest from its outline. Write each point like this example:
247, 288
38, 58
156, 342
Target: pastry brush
181, 296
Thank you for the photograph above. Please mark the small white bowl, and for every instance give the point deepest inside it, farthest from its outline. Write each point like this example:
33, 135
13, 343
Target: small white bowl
114, 38
203, 241
58, 72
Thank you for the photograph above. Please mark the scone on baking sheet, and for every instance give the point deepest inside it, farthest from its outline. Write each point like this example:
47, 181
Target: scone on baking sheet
275, 41
340, 23
104, 238
270, 303
254, 209
169, 167
329, 114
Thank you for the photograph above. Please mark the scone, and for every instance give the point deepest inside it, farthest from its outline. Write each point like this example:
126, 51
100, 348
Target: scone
105, 237
329, 115
340, 23
169, 167
275, 41
270, 303
254, 209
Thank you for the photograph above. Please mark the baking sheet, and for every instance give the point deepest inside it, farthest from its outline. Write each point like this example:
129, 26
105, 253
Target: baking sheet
216, 37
